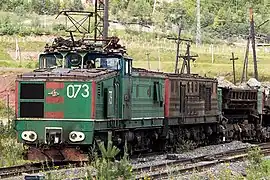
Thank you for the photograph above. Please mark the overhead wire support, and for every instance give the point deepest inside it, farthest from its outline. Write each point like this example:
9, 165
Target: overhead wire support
106, 19
187, 57
252, 34
78, 25
99, 31
251, 38
245, 67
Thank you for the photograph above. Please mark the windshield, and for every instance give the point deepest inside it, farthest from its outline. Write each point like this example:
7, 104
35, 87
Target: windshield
50, 60
74, 60
108, 63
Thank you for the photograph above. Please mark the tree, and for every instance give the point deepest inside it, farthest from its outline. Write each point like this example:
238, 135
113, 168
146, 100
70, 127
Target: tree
139, 10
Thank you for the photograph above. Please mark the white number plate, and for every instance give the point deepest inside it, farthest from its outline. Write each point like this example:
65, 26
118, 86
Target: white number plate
73, 90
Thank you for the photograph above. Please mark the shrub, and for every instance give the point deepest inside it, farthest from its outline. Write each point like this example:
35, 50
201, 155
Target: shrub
107, 167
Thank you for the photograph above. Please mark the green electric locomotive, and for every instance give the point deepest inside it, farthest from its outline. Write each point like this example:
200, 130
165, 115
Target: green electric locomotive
74, 94
78, 95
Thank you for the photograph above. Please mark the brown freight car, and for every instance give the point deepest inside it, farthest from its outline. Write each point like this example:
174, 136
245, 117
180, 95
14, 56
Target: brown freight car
192, 106
193, 99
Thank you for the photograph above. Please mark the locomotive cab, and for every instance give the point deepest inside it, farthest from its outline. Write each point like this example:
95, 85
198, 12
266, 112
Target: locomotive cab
59, 103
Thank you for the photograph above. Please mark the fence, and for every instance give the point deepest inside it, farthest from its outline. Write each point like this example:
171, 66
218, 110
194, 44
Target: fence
161, 45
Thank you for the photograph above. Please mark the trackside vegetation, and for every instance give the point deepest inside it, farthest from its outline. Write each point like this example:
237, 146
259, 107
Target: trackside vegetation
108, 167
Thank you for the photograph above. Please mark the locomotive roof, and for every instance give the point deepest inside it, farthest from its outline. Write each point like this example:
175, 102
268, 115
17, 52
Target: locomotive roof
69, 74
145, 72
84, 45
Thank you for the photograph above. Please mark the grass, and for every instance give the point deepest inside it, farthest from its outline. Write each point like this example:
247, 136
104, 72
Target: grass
163, 51
138, 44
222, 66
10, 150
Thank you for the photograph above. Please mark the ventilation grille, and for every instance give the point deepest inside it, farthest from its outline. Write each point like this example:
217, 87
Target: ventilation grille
31, 109
32, 91
99, 89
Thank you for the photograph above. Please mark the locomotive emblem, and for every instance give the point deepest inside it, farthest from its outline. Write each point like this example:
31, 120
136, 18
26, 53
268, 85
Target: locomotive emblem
54, 93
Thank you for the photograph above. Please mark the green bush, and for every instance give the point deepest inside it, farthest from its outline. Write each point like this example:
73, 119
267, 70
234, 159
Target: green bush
106, 166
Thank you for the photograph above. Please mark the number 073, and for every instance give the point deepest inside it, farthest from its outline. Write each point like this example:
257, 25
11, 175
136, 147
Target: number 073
73, 90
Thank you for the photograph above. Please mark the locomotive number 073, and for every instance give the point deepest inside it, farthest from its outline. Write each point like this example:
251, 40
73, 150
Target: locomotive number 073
74, 89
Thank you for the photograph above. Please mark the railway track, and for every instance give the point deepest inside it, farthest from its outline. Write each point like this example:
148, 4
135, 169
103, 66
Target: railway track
13, 171
155, 171
181, 166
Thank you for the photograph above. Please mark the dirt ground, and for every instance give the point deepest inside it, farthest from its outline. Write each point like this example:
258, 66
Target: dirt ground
7, 83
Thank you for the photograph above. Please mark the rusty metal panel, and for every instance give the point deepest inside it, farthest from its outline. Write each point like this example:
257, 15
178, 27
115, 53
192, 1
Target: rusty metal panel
208, 99
239, 98
192, 96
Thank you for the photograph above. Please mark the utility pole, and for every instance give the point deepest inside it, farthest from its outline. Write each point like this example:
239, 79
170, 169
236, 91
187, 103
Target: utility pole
198, 31
177, 48
245, 67
251, 37
187, 58
252, 31
106, 19
233, 59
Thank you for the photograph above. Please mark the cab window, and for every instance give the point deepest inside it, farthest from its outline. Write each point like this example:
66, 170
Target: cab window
128, 66
50, 60
108, 63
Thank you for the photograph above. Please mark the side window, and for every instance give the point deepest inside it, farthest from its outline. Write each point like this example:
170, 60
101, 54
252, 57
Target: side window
44, 64
128, 67
157, 94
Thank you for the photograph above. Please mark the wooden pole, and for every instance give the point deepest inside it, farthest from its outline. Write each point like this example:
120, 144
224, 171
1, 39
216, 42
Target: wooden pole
252, 31
233, 59
245, 67
177, 50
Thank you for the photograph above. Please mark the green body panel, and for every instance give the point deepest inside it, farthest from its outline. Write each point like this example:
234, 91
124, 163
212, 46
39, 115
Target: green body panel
107, 101
77, 100
125, 99
143, 103
85, 126
219, 96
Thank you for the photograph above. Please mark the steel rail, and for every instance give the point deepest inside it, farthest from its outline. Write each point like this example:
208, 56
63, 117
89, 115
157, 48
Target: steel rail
214, 159
12, 171
187, 165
